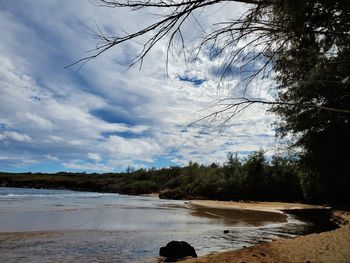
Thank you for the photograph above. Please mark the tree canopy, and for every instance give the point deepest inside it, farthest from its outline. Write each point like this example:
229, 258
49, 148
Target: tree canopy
303, 45
252, 178
314, 68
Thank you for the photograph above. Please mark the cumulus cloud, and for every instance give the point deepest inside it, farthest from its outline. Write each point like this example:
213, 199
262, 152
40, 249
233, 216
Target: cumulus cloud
12, 135
94, 156
38, 121
105, 117
141, 149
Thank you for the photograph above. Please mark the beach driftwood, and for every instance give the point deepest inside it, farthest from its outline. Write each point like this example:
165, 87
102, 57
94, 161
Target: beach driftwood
175, 250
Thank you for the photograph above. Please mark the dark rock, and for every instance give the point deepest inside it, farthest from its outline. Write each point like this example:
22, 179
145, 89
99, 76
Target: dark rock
226, 231
177, 249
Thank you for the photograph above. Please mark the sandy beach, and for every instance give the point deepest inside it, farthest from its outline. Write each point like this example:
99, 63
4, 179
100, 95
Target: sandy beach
256, 206
332, 246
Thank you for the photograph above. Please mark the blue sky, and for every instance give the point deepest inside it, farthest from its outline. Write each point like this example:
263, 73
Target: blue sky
106, 117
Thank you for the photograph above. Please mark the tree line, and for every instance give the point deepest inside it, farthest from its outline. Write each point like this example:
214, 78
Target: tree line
255, 177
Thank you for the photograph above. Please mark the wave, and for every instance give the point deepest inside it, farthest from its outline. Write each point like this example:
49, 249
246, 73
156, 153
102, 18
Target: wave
18, 193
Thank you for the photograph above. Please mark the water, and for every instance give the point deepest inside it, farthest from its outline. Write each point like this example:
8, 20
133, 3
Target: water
68, 226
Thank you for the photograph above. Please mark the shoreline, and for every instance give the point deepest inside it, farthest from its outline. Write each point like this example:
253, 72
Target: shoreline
274, 207
330, 246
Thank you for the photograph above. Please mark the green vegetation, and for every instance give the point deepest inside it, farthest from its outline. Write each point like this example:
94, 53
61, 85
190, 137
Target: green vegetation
253, 178
304, 46
313, 69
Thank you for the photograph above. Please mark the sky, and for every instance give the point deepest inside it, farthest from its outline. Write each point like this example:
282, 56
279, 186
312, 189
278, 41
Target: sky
105, 116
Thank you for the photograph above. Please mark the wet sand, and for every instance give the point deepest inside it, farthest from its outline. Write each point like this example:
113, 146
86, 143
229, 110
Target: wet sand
256, 206
331, 246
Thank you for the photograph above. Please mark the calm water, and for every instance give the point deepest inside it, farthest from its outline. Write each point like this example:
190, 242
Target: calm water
68, 226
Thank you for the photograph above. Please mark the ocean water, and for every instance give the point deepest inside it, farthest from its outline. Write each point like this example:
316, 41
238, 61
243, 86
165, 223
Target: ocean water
38, 225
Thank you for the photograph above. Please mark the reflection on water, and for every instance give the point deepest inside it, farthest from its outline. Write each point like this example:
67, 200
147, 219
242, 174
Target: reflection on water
77, 226
239, 217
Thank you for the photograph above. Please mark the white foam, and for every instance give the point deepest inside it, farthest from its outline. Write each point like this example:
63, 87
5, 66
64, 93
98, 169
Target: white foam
17, 193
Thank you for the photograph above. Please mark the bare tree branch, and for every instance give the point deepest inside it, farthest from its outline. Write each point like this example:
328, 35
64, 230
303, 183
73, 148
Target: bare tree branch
263, 41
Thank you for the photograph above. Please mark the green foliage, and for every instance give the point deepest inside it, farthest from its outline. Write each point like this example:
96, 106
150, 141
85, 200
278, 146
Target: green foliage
315, 69
253, 178
232, 166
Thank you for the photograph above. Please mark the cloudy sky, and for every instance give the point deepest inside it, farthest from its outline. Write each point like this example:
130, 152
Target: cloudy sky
105, 116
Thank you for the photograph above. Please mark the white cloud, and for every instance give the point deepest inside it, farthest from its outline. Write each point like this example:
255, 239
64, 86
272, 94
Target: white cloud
53, 138
15, 136
52, 158
144, 113
38, 121
95, 157
88, 167
138, 149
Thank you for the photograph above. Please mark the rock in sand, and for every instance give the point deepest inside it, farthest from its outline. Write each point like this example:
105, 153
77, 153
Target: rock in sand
175, 250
